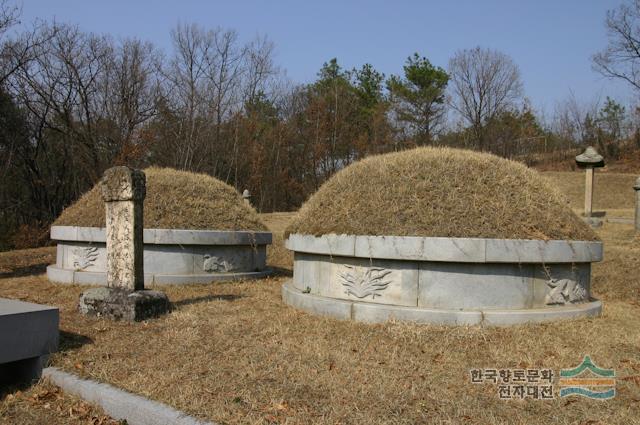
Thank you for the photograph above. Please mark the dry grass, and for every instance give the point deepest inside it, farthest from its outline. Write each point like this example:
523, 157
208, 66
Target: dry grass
45, 403
612, 191
440, 192
277, 255
175, 200
233, 353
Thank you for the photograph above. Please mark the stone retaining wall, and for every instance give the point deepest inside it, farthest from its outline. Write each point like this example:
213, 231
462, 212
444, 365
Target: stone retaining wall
442, 280
170, 256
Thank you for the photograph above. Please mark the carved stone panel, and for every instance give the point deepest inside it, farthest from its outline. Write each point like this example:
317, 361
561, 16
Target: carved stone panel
362, 282
378, 281
565, 291
214, 264
84, 257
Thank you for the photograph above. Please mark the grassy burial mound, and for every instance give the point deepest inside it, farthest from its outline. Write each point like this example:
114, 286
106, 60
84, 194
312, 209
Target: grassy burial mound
175, 200
440, 192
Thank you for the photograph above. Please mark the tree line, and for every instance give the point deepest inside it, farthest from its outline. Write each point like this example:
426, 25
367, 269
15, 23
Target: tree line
73, 103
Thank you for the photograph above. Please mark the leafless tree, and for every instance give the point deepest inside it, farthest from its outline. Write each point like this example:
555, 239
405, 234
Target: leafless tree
621, 58
129, 89
186, 92
484, 83
572, 119
260, 69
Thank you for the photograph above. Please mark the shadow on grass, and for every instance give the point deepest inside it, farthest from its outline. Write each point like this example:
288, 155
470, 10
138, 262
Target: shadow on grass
30, 270
190, 301
10, 388
72, 341
280, 272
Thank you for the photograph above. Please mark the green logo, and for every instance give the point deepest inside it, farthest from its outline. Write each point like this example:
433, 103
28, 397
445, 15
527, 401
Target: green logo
598, 383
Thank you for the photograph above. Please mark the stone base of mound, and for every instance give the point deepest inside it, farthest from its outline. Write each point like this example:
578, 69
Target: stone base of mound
460, 281
78, 277
170, 256
380, 313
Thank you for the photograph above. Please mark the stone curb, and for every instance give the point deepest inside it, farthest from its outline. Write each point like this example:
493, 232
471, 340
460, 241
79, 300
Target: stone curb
380, 313
459, 250
71, 277
119, 404
166, 236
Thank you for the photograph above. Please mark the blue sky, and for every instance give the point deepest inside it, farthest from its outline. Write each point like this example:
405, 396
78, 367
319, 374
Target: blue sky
551, 41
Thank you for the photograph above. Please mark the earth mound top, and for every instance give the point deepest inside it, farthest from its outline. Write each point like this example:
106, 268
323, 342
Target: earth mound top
174, 200
440, 192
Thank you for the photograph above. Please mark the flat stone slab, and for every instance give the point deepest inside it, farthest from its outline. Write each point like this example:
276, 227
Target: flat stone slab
459, 250
380, 313
166, 236
122, 304
28, 334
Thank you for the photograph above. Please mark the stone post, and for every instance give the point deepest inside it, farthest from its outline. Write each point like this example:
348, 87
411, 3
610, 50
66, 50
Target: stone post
588, 192
123, 191
589, 160
636, 187
124, 297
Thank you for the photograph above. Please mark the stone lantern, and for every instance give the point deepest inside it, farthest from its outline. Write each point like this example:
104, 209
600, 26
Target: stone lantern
589, 160
246, 196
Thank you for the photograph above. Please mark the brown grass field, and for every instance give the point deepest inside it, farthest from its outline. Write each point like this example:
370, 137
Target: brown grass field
612, 193
234, 353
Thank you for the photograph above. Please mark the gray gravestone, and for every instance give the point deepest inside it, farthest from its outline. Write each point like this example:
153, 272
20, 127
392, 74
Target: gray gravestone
28, 334
123, 190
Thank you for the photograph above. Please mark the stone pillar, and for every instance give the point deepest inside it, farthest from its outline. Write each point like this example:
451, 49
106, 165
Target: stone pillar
124, 298
636, 187
123, 191
588, 192
589, 160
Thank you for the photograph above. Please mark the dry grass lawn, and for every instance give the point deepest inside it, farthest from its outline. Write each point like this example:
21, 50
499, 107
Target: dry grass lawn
45, 403
440, 192
278, 256
233, 353
613, 192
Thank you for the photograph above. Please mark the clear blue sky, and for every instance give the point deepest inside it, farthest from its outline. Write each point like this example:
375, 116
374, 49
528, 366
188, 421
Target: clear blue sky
550, 40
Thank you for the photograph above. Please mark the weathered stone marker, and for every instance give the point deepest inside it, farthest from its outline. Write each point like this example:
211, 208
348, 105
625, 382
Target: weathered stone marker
123, 190
636, 187
589, 160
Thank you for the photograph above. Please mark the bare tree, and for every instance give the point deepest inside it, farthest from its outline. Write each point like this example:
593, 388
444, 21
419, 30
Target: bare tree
129, 90
260, 69
484, 83
621, 58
